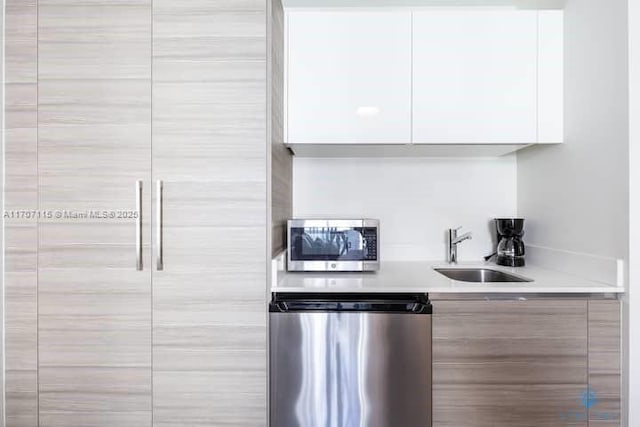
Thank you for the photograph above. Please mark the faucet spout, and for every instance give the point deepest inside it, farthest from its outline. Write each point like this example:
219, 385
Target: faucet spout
453, 241
465, 236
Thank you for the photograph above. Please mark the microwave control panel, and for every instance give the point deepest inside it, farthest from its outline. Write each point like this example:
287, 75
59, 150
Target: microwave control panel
370, 235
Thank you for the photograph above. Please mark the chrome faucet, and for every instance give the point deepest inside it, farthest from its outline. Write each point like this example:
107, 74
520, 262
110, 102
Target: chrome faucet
453, 240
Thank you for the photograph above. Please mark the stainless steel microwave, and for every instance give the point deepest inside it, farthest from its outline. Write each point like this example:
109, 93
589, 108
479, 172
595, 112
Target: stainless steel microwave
333, 245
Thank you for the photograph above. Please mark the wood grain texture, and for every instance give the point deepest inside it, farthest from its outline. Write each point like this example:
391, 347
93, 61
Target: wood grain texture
605, 362
94, 132
509, 363
210, 149
21, 194
281, 159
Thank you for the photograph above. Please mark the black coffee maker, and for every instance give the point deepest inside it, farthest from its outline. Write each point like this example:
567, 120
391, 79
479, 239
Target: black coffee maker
510, 250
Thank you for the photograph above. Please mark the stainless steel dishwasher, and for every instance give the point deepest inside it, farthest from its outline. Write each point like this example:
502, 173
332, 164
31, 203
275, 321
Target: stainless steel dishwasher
350, 360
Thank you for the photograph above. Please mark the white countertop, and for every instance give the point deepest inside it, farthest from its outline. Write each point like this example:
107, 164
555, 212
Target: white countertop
414, 276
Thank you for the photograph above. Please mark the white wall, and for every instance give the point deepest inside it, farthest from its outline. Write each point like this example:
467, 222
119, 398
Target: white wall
415, 199
575, 195
632, 312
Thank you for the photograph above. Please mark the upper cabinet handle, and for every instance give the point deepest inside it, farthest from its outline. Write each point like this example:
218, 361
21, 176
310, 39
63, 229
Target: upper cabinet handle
159, 260
139, 226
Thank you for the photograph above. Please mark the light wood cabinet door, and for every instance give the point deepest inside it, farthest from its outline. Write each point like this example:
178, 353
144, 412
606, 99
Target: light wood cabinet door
475, 76
209, 150
509, 363
605, 363
349, 77
94, 143
20, 232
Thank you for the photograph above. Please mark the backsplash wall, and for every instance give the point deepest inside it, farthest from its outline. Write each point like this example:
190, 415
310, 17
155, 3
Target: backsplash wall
415, 199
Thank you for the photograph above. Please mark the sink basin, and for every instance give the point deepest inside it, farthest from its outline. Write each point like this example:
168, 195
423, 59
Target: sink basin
480, 275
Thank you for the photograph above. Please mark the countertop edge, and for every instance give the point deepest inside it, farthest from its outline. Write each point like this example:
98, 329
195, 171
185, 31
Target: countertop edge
434, 290
421, 277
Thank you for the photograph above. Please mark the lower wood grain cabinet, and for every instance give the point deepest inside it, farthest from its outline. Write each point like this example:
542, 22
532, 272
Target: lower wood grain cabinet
521, 363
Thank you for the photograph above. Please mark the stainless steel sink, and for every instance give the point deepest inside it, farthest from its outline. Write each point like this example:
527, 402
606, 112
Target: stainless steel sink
480, 275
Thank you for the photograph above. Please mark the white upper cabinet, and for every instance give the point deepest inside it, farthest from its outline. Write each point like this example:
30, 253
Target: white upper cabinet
349, 77
408, 82
550, 76
474, 77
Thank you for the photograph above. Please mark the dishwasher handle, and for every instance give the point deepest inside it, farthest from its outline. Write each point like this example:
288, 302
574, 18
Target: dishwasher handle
350, 302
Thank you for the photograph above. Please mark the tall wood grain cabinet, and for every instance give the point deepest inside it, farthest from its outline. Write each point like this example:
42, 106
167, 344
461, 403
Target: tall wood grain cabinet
210, 153
93, 145
141, 133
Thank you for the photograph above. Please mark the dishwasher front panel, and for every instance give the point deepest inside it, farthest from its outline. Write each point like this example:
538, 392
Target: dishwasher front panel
350, 369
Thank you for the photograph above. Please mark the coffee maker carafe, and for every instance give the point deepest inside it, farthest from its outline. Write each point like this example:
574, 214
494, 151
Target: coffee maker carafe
510, 250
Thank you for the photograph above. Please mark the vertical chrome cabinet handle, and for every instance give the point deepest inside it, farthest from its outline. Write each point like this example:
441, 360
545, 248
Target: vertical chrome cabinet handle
139, 226
159, 261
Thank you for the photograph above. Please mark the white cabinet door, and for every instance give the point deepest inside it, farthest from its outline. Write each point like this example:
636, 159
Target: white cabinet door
349, 77
474, 76
550, 76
